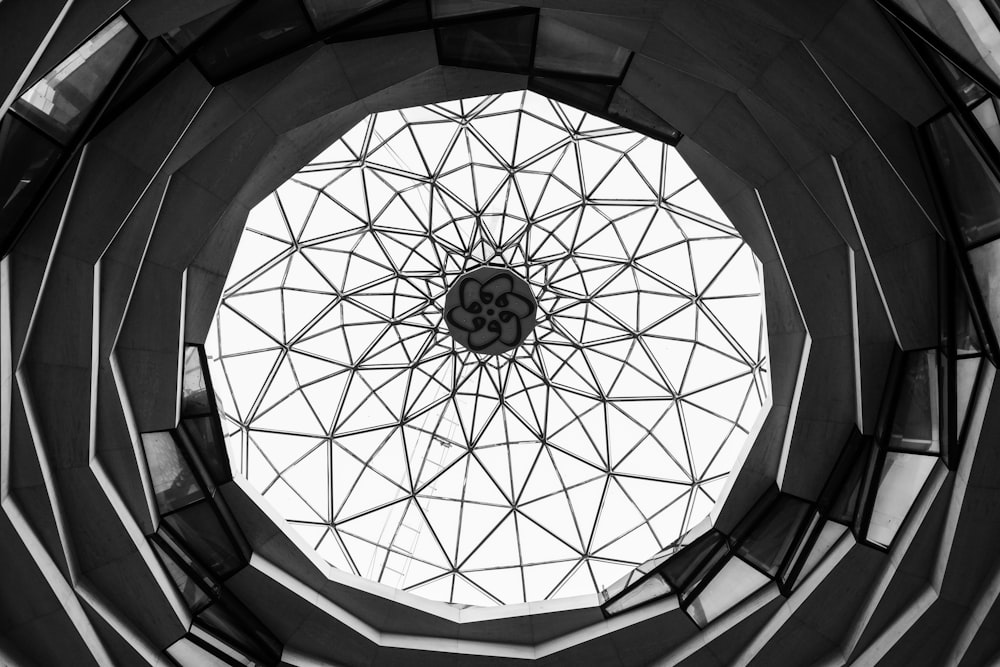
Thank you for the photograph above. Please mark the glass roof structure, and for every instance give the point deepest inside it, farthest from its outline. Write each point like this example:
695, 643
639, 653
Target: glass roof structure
548, 470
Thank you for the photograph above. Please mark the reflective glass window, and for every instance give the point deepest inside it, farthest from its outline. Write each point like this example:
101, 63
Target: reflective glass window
985, 261
756, 512
684, 566
174, 482
968, 91
205, 435
638, 573
915, 423
829, 535
199, 527
735, 582
650, 589
902, 477
791, 571
685, 563
973, 192
986, 114
187, 652
188, 586
153, 63
564, 49
220, 647
59, 103
503, 44
326, 14
992, 8
167, 541
183, 36
388, 18
770, 539
261, 32
194, 389
230, 621
843, 498
966, 372
964, 330
27, 159
584, 95
446, 9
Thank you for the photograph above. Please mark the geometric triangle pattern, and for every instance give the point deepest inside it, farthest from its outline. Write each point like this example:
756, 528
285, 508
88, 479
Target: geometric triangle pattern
546, 471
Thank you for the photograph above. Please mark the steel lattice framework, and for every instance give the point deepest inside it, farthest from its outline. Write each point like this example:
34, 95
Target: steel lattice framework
550, 470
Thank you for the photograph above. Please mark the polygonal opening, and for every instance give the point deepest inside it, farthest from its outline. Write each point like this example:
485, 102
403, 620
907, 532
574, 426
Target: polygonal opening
547, 469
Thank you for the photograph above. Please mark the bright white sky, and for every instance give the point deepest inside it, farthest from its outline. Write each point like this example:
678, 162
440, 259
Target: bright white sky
549, 471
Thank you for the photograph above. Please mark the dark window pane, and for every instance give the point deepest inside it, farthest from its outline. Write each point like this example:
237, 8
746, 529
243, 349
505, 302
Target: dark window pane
563, 49
326, 14
184, 651
174, 482
386, 19
592, 97
770, 539
444, 9
205, 435
653, 563
845, 497
992, 8
792, 569
192, 593
684, 566
156, 59
705, 573
223, 647
830, 534
650, 589
202, 533
973, 192
966, 372
986, 114
757, 512
986, 266
27, 159
501, 44
915, 423
638, 573
964, 329
194, 389
968, 91
902, 477
170, 544
229, 620
61, 100
195, 458
183, 36
265, 30
734, 583
631, 113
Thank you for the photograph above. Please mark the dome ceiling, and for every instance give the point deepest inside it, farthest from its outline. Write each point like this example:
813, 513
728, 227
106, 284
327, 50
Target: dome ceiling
805, 121
548, 466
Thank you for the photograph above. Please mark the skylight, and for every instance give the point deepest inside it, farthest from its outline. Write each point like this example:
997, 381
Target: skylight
555, 460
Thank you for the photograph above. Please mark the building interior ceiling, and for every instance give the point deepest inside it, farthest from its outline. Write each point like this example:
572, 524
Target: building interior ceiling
852, 144
396, 435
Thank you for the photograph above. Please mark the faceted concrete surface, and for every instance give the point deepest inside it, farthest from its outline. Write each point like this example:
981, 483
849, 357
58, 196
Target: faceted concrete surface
797, 116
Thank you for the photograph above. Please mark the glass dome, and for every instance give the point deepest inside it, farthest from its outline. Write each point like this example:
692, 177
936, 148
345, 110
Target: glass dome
546, 468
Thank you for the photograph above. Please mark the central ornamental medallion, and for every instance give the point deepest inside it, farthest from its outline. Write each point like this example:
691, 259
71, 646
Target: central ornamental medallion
490, 310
